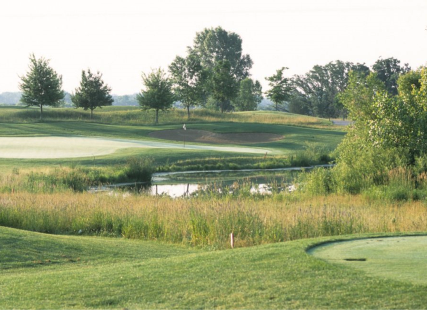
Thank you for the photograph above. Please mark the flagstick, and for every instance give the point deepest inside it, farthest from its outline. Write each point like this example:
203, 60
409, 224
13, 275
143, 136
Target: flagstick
184, 134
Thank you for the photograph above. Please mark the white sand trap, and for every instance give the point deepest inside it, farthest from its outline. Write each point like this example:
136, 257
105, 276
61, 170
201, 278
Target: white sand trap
53, 147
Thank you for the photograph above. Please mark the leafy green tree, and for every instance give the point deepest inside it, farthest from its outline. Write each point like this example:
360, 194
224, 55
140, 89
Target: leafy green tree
359, 95
157, 94
280, 88
389, 131
189, 78
408, 85
319, 88
224, 85
41, 86
249, 95
388, 71
92, 93
216, 44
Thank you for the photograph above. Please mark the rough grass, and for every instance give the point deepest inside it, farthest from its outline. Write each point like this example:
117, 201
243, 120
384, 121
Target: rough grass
207, 221
99, 273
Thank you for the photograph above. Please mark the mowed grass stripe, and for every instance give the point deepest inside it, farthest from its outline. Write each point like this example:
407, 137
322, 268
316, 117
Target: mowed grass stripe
275, 276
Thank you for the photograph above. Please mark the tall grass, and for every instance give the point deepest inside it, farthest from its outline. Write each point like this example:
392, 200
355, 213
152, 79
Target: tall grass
77, 179
208, 221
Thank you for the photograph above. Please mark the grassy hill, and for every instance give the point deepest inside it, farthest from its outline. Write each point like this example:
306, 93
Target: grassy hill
40, 271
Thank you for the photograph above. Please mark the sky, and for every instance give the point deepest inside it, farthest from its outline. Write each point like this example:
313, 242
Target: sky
123, 38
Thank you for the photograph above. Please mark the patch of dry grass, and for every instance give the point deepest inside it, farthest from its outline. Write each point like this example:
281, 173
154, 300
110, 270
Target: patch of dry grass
208, 221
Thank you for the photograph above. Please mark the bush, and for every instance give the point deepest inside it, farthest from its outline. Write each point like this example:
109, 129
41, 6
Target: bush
139, 169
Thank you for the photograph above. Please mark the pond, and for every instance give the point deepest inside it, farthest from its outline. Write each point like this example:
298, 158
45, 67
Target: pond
193, 183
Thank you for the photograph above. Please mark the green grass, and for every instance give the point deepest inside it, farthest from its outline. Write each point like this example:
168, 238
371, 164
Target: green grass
295, 140
399, 258
62, 272
134, 116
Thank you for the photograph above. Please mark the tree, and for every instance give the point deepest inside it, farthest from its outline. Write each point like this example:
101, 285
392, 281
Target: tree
216, 44
249, 95
41, 86
280, 88
157, 94
92, 93
224, 85
321, 85
388, 71
188, 79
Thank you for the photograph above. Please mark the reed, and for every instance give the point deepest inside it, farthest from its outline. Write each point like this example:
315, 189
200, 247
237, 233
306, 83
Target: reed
207, 221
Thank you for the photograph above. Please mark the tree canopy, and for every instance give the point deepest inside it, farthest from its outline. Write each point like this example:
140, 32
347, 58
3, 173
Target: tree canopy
41, 86
189, 79
318, 89
224, 86
216, 44
388, 71
280, 88
92, 92
248, 96
157, 93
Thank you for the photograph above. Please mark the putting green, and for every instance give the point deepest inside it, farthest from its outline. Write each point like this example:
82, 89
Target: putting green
399, 258
72, 147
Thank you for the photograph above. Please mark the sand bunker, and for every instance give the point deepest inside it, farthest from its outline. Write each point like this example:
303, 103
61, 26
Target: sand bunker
72, 147
200, 136
400, 258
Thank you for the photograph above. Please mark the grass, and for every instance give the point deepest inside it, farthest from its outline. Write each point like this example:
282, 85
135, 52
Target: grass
296, 139
134, 116
208, 220
100, 273
399, 258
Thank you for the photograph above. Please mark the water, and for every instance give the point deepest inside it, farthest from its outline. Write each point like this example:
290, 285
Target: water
190, 183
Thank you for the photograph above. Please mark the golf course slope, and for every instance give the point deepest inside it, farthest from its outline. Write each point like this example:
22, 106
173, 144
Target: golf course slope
45, 271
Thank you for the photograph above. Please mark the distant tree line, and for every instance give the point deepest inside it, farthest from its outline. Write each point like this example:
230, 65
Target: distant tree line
317, 93
214, 74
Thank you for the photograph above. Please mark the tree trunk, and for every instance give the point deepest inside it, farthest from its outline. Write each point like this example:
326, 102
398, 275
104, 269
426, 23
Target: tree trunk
41, 112
91, 113
157, 116
188, 112
222, 107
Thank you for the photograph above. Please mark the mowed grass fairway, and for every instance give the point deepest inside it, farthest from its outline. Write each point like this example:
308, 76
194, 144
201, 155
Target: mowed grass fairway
41, 271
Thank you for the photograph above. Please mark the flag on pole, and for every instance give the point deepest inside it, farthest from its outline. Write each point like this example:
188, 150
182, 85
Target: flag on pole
184, 128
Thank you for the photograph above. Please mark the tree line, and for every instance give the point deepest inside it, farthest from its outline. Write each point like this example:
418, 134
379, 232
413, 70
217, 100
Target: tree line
214, 74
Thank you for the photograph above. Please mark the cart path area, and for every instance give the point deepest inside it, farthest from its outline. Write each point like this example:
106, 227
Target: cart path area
54, 147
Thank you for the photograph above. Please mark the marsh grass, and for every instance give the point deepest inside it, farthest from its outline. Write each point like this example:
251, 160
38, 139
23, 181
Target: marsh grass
75, 179
207, 221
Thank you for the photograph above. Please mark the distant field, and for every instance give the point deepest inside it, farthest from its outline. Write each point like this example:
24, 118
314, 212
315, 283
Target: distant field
134, 116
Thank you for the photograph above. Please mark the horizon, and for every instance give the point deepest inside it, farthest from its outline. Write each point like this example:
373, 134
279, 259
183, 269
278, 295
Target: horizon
117, 38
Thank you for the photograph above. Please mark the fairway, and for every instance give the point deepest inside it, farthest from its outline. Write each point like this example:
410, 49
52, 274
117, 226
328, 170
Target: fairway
398, 258
54, 147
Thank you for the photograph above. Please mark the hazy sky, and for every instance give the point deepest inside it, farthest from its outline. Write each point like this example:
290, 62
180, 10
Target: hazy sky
122, 38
